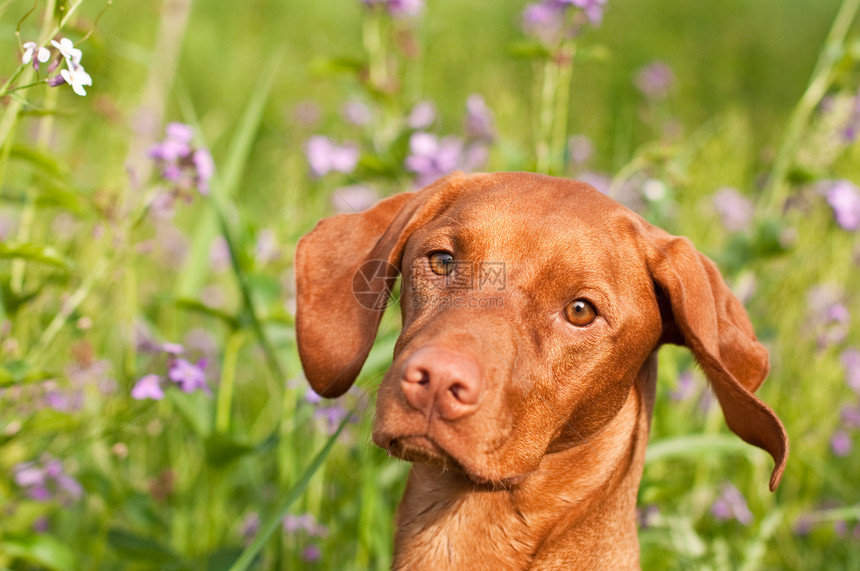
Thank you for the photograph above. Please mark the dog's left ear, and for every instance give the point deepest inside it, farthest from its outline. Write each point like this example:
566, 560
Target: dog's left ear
700, 312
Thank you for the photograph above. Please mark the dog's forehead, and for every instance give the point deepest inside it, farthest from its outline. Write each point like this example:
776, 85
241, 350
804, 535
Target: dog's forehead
536, 209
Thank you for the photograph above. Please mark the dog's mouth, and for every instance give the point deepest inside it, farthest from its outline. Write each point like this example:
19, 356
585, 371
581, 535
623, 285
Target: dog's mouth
420, 448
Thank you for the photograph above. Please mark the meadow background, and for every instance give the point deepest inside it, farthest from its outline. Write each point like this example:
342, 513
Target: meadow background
153, 413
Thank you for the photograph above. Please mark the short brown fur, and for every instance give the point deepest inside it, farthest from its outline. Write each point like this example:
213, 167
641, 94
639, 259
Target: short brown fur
527, 433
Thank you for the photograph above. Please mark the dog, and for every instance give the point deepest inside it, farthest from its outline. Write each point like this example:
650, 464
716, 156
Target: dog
523, 401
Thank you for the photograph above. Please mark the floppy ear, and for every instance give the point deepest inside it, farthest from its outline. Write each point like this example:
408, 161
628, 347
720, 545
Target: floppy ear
700, 312
345, 269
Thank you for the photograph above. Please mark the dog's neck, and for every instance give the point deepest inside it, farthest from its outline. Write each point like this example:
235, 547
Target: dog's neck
579, 507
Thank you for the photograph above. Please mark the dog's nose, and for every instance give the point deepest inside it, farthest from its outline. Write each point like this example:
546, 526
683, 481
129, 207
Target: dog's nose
435, 378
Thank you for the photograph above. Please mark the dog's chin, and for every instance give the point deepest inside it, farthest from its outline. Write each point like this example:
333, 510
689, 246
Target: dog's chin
423, 450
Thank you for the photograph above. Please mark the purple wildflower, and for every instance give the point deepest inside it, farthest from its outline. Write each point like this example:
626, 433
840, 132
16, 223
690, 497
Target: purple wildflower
333, 415
850, 416
62, 399
803, 524
579, 149
853, 125
172, 348
655, 80
148, 387
735, 210
600, 181
686, 386
325, 156
311, 553
250, 526
266, 249
307, 113
730, 504
422, 115
304, 523
180, 163
201, 341
41, 525
205, 167
179, 132
219, 255
312, 397
850, 359
593, 9
646, 516
175, 146
188, 376
28, 475
398, 8
355, 198
844, 198
544, 21
479, 122
357, 113
829, 318
432, 157
47, 480
840, 443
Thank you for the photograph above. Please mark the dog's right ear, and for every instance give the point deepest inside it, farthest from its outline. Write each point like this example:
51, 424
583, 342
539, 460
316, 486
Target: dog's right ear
345, 269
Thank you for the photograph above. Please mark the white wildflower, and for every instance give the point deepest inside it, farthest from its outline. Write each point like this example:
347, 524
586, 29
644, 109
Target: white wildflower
68, 49
77, 78
42, 54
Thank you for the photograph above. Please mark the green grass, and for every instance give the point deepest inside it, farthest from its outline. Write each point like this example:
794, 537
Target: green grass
85, 267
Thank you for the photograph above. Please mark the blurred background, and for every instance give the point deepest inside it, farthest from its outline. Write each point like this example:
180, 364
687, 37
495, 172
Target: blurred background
153, 412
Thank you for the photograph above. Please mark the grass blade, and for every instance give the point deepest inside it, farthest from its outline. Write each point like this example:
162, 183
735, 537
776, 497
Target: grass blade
695, 445
274, 519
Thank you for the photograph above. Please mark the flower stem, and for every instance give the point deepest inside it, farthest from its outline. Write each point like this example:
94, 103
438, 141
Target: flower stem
68, 308
562, 102
228, 378
375, 46
28, 215
549, 88
776, 191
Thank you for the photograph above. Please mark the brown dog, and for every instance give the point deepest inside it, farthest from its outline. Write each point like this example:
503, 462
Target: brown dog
524, 377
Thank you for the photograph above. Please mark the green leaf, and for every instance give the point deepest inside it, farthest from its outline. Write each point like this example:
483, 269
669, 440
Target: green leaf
528, 49
228, 174
598, 52
42, 550
35, 253
338, 65
129, 545
273, 520
222, 559
41, 161
695, 446
20, 372
802, 175
195, 408
836, 514
199, 307
221, 449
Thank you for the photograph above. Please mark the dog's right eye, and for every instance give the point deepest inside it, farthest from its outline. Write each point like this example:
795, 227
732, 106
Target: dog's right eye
441, 263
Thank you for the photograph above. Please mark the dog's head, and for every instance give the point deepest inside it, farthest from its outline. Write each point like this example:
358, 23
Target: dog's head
530, 304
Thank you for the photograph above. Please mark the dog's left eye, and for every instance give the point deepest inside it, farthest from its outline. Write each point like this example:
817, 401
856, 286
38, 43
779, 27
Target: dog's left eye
580, 312
441, 263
